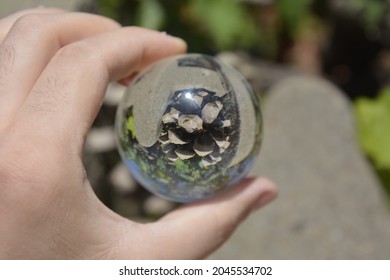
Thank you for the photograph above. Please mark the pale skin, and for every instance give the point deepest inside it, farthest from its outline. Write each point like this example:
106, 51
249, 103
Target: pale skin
54, 70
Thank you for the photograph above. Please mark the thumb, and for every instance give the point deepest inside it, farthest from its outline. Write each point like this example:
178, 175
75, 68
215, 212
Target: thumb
196, 230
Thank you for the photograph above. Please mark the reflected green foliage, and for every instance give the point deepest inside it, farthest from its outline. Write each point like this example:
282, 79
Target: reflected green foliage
130, 126
373, 116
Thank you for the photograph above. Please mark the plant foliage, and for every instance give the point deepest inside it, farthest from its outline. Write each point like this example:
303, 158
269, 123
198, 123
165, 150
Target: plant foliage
373, 117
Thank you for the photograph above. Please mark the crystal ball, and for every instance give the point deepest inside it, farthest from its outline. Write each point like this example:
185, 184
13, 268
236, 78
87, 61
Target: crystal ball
189, 127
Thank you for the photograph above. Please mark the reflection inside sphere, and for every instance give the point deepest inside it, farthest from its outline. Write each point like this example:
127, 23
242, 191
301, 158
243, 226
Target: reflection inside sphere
189, 127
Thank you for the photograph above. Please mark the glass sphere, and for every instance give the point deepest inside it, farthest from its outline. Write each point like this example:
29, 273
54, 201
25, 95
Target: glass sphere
189, 127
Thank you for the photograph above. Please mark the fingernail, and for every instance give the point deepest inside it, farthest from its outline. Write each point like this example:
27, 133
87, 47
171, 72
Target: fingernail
263, 200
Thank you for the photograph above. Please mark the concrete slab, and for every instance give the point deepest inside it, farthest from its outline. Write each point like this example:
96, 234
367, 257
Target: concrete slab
331, 205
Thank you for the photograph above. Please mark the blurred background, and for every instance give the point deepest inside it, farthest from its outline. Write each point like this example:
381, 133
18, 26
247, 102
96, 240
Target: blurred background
345, 41
339, 46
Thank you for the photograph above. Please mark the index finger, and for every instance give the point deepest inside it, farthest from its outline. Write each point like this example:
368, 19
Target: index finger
66, 98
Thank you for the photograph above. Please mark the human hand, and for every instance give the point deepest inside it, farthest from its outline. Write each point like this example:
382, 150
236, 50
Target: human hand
54, 70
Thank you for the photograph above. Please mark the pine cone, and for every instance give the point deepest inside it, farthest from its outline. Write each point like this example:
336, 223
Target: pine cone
194, 128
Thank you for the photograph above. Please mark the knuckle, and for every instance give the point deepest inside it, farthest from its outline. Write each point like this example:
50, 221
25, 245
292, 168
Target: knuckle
78, 50
31, 23
83, 56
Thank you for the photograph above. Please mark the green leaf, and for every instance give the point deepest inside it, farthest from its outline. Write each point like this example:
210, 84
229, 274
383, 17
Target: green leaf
373, 118
293, 11
371, 11
226, 21
150, 14
374, 12
109, 8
